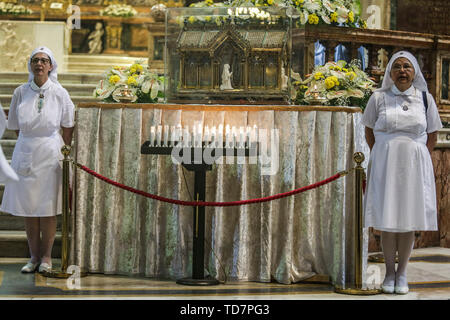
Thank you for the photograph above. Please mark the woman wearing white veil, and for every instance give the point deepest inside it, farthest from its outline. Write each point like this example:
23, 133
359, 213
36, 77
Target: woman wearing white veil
39, 110
401, 132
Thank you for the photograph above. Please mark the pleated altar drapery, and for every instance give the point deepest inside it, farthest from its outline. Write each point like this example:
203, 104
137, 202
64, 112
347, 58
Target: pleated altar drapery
286, 240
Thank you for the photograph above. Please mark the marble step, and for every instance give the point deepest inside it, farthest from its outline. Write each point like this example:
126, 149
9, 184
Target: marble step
9, 134
8, 147
75, 58
74, 89
79, 63
14, 244
10, 222
63, 78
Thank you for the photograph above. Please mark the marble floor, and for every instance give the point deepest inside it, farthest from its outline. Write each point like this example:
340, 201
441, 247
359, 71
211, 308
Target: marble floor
428, 274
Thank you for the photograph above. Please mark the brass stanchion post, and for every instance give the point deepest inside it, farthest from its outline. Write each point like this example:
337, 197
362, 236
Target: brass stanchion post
356, 288
65, 150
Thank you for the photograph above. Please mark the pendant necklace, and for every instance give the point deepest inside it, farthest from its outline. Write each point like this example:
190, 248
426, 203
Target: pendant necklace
40, 102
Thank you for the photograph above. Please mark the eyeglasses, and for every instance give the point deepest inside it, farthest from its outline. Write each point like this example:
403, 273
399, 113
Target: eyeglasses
398, 67
37, 60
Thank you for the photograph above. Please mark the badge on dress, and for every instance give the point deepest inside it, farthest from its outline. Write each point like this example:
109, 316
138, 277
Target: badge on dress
40, 102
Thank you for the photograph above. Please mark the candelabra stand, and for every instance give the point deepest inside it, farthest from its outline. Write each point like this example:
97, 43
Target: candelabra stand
199, 168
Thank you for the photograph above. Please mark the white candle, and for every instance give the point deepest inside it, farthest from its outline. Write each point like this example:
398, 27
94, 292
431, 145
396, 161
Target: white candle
178, 133
186, 137
247, 136
241, 137
158, 136
220, 136
166, 135
172, 136
227, 136
233, 137
152, 136
254, 135
200, 134
206, 136
214, 137
194, 136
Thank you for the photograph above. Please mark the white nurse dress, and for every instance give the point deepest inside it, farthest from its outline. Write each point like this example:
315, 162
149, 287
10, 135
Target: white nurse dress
400, 194
37, 154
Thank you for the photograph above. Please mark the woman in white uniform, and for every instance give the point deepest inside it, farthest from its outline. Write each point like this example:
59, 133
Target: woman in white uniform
39, 110
401, 133
6, 172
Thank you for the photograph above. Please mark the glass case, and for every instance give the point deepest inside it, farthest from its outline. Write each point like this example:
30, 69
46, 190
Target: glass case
227, 55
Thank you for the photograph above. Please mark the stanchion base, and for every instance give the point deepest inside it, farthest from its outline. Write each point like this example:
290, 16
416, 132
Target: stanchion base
62, 275
378, 258
198, 282
357, 291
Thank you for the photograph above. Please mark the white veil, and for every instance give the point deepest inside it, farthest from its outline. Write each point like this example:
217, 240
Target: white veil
53, 76
419, 80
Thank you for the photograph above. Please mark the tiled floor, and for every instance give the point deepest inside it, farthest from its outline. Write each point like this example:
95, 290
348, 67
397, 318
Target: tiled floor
427, 280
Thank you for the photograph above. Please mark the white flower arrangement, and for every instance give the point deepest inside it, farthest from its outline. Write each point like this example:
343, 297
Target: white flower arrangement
118, 10
312, 12
144, 86
340, 83
16, 9
331, 12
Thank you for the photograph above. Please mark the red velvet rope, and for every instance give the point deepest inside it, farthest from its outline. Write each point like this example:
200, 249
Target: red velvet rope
206, 203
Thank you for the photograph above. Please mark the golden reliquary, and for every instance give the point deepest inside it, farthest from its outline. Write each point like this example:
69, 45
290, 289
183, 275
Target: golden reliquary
231, 61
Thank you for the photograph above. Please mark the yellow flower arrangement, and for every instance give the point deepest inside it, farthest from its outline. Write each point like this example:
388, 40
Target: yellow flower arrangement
114, 79
351, 16
145, 86
318, 75
340, 83
333, 17
331, 82
313, 19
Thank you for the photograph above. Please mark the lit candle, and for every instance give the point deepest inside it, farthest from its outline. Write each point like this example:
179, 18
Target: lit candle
220, 136
206, 136
158, 136
233, 137
241, 137
227, 136
194, 136
247, 136
152, 136
214, 137
186, 137
199, 135
166, 136
254, 135
172, 136
178, 133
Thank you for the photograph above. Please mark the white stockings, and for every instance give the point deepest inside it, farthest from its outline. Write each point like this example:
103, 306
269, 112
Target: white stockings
393, 242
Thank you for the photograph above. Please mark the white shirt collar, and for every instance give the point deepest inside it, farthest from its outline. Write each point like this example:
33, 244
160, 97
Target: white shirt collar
45, 86
408, 92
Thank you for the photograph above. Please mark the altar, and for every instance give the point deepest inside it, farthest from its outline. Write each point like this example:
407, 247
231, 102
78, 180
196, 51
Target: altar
286, 240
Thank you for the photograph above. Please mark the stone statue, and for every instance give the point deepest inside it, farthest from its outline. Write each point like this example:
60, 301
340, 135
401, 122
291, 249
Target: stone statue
226, 78
382, 59
14, 56
95, 39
